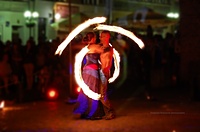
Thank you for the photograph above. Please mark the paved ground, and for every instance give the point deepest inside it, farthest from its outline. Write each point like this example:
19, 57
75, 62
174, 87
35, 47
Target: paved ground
170, 111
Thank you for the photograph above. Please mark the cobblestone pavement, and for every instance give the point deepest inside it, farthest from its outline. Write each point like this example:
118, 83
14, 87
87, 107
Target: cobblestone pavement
168, 113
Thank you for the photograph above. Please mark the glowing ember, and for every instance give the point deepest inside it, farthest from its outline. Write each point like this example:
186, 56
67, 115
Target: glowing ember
52, 94
2, 105
78, 89
121, 31
77, 30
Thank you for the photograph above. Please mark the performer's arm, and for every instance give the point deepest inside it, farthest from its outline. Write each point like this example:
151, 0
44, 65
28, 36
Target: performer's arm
95, 48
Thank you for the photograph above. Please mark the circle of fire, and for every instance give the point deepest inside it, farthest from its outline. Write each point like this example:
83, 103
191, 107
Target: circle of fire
78, 74
77, 30
83, 52
121, 31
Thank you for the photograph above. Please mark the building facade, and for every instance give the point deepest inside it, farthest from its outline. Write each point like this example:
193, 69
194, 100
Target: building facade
14, 25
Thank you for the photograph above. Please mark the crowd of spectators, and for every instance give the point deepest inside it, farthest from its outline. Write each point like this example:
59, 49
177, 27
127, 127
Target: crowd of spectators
155, 66
32, 67
27, 68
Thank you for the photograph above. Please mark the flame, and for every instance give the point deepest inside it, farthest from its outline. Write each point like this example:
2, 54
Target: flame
117, 66
77, 30
2, 104
78, 75
121, 31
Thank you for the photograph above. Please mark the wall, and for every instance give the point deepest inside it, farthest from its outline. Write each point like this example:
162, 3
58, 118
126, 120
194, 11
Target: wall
45, 10
11, 14
10, 19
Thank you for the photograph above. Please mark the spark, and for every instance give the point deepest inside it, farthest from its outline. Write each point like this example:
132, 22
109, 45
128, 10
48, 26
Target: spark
121, 31
77, 30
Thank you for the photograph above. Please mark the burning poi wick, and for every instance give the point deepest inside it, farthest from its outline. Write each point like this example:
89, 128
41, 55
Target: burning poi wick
121, 31
77, 30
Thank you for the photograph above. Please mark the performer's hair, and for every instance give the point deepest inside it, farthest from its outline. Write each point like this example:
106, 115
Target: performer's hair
106, 32
88, 37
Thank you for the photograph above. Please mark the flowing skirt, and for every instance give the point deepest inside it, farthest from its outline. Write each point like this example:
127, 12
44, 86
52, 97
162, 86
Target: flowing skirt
85, 105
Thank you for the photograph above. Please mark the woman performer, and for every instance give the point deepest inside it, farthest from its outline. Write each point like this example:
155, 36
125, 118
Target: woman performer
86, 107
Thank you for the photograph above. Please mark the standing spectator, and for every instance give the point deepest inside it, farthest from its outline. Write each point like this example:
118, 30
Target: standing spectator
87, 107
29, 61
16, 61
5, 71
2, 46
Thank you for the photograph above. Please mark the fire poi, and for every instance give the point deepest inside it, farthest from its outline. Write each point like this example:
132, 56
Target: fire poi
79, 56
78, 74
77, 30
121, 31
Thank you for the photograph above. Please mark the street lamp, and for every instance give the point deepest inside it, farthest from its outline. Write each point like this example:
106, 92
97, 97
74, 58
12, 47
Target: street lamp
30, 19
173, 15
